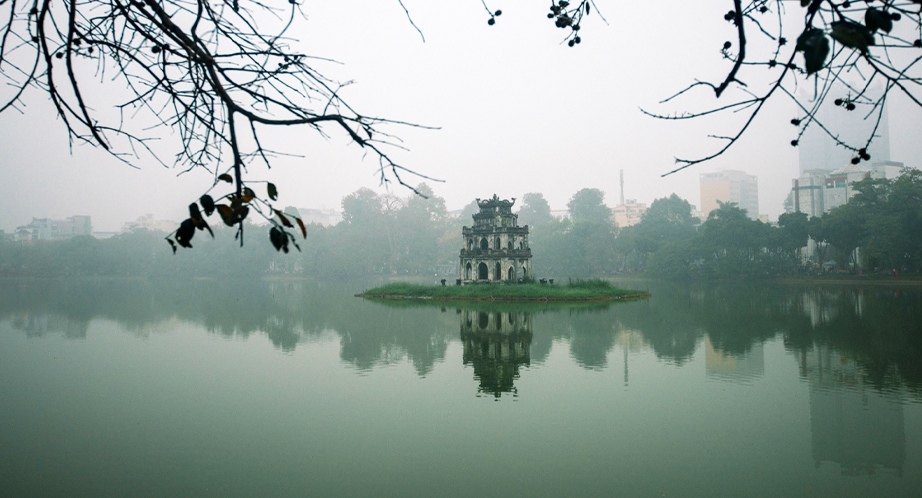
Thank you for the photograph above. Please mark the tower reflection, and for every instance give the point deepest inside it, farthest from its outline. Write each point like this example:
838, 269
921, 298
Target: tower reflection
496, 344
852, 423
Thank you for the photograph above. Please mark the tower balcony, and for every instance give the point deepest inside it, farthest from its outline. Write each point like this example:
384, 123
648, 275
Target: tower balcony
496, 253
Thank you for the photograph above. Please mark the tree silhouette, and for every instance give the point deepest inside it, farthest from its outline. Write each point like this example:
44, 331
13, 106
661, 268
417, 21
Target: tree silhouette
846, 53
220, 74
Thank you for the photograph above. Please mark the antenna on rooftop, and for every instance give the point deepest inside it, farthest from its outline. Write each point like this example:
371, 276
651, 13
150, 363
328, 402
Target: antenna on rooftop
622, 186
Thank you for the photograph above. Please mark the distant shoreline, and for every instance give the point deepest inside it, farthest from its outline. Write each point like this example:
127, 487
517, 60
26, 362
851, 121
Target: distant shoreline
851, 280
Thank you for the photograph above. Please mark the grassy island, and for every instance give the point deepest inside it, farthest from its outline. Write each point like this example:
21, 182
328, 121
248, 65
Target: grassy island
575, 290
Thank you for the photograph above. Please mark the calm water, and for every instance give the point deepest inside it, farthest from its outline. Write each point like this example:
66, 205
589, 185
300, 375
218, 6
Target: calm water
134, 388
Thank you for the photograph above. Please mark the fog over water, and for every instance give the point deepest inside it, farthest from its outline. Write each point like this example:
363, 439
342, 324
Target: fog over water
518, 112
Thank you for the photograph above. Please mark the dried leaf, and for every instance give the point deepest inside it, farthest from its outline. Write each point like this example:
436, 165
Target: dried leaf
278, 238
852, 35
284, 219
227, 214
207, 204
185, 233
225, 177
815, 46
248, 195
273, 192
172, 244
302, 227
196, 216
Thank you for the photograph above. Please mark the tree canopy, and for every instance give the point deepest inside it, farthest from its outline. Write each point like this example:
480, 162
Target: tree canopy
535, 210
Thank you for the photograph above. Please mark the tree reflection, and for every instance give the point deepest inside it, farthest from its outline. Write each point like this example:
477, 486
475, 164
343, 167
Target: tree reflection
879, 328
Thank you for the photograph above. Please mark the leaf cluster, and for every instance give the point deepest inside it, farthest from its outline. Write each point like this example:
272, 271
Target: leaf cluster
233, 211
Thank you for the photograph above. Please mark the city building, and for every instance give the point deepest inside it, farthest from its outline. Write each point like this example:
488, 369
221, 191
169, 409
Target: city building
495, 248
319, 216
817, 192
730, 186
628, 213
49, 229
561, 214
147, 222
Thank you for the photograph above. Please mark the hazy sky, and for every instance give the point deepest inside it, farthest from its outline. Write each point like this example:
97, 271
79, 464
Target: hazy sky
518, 110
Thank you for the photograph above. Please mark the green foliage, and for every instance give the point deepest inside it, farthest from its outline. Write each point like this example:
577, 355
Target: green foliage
589, 283
535, 210
588, 205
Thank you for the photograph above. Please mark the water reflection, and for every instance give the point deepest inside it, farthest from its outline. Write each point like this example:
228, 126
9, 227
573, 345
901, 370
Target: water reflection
44, 324
878, 329
743, 367
496, 344
851, 423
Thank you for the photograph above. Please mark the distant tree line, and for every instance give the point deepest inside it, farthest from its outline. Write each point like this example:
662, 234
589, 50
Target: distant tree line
880, 228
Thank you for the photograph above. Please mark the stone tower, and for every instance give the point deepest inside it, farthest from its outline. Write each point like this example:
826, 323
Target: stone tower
495, 248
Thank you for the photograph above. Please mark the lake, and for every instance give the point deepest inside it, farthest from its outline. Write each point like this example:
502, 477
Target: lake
296, 388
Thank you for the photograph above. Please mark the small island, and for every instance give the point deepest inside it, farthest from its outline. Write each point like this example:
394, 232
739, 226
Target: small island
495, 265
573, 291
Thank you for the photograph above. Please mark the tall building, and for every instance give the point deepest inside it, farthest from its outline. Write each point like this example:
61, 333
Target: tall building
819, 151
730, 186
852, 423
817, 192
